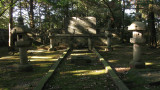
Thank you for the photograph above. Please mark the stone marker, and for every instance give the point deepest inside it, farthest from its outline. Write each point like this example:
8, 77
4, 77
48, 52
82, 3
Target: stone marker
23, 43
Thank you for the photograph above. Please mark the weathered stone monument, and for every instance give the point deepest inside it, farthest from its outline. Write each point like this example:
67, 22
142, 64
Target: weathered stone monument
137, 29
23, 43
82, 25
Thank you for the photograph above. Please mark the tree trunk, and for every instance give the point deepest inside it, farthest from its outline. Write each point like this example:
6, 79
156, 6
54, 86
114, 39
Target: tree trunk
31, 14
10, 24
66, 18
152, 30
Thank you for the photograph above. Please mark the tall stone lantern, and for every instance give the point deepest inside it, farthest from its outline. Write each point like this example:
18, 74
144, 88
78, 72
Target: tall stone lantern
53, 40
22, 43
50, 31
137, 29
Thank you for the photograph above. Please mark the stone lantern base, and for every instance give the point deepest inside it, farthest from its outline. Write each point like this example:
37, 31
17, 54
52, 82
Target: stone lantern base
52, 49
109, 49
25, 68
134, 64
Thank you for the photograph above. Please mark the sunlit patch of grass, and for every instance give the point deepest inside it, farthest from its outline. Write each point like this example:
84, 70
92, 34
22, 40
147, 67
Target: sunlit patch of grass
92, 72
78, 50
9, 58
112, 61
122, 69
77, 54
149, 63
85, 72
37, 60
41, 64
37, 51
40, 57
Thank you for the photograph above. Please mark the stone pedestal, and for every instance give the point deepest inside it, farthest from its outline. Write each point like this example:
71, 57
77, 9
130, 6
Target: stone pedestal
24, 65
23, 55
137, 41
51, 45
136, 62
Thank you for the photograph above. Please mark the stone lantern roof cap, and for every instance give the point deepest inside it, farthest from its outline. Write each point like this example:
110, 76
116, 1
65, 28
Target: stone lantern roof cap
137, 26
21, 29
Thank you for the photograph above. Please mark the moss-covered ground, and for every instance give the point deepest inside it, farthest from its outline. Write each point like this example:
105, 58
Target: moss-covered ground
81, 75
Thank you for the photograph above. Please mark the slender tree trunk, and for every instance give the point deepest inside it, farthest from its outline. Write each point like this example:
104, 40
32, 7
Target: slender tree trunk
66, 19
31, 16
152, 30
10, 24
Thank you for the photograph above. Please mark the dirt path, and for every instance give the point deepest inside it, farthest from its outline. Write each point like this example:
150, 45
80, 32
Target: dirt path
81, 74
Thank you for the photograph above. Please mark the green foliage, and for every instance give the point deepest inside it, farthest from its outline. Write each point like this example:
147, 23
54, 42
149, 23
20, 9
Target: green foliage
4, 20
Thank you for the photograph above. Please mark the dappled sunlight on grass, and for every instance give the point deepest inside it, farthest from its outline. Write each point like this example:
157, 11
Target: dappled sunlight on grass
85, 72
37, 51
148, 63
43, 64
38, 59
44, 56
77, 54
92, 72
113, 61
9, 57
80, 50
122, 69
101, 59
102, 50
108, 68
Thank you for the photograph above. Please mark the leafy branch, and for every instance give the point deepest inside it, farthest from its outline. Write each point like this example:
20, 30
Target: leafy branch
11, 5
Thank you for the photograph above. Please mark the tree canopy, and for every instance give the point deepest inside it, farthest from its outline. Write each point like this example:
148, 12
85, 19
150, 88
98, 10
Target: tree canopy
40, 14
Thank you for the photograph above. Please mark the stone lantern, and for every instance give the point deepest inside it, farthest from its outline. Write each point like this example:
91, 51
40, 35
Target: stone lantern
53, 41
22, 43
108, 34
50, 31
137, 29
